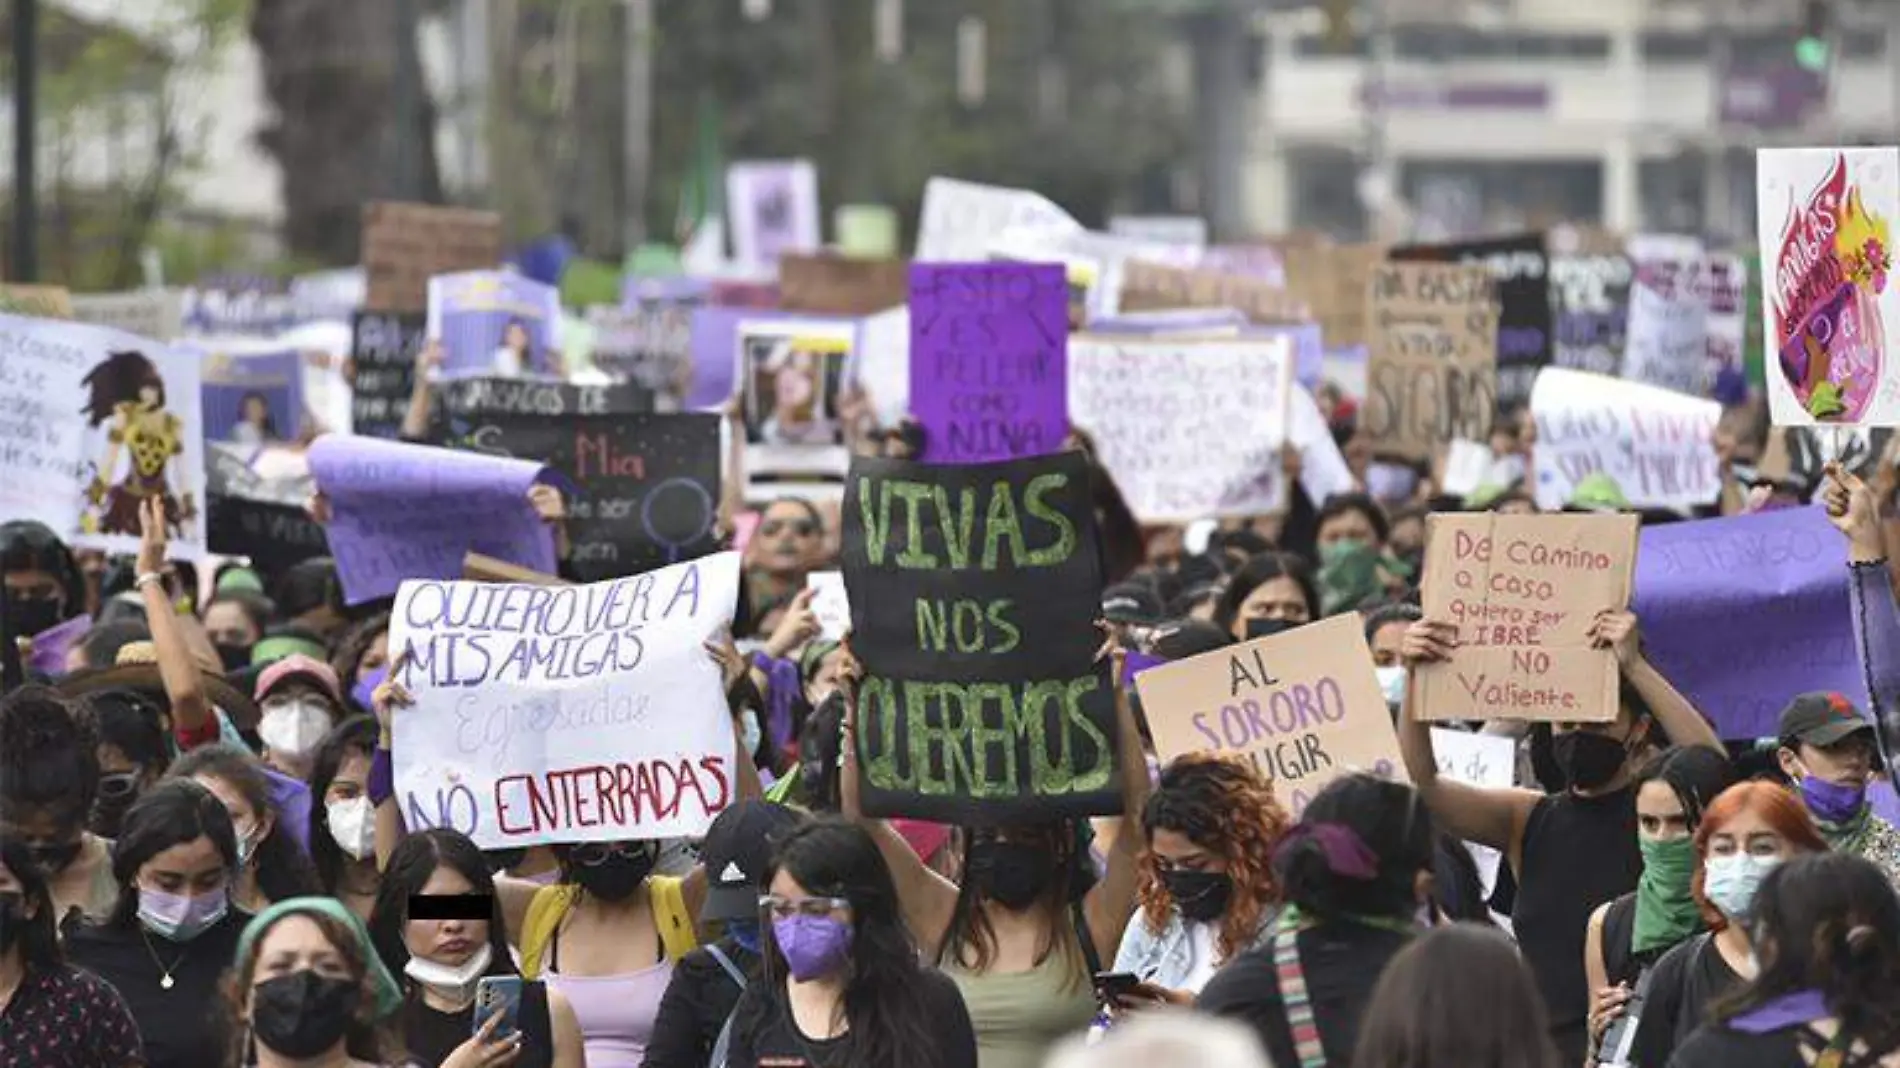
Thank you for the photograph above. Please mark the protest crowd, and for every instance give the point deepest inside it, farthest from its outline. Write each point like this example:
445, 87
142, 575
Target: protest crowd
1111, 653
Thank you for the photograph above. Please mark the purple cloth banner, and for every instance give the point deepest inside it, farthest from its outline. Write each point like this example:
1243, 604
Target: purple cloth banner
414, 512
252, 399
1135, 663
493, 322
989, 360
1743, 613
715, 341
51, 645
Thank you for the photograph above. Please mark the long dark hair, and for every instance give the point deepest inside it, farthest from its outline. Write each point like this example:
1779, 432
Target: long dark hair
970, 929
49, 757
410, 867
172, 813
1256, 573
1695, 774
1828, 922
356, 734
889, 1018
353, 646
39, 934
1389, 819
1490, 1016
117, 381
283, 871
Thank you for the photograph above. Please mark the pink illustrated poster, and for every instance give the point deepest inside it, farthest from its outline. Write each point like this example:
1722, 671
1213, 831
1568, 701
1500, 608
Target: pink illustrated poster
1825, 218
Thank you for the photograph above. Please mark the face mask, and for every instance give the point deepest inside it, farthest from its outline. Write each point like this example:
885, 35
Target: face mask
302, 1014
1267, 628
1012, 874
27, 616
744, 932
1588, 760
1392, 684
749, 727
116, 794
364, 692
1201, 896
12, 921
234, 657
814, 946
181, 919
294, 729
456, 983
1348, 574
616, 878
1832, 802
352, 827
55, 858
1730, 883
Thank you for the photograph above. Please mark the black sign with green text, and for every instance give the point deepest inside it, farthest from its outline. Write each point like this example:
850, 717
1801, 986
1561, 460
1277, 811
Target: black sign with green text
974, 591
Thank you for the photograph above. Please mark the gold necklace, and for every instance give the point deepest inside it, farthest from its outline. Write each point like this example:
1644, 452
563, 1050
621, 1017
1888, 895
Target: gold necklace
164, 973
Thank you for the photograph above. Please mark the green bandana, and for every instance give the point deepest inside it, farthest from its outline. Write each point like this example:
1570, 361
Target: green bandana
1666, 913
1348, 575
388, 994
1847, 836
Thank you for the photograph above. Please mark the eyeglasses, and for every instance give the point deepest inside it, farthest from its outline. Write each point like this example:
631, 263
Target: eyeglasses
787, 907
803, 528
594, 854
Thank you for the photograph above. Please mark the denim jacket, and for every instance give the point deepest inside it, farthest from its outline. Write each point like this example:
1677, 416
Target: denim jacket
1167, 959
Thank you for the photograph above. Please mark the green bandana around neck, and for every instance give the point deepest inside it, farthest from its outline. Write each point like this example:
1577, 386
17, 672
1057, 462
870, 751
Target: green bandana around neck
1348, 575
1666, 912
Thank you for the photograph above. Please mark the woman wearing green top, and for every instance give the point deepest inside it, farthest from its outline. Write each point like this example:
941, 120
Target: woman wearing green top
1628, 935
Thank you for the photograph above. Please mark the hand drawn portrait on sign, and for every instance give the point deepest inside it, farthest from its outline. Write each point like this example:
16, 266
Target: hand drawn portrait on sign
127, 392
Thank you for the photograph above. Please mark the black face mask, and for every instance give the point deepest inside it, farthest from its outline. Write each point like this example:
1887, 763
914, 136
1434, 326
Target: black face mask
27, 616
1015, 875
1267, 628
53, 859
617, 877
12, 921
1201, 896
234, 657
116, 794
302, 1014
1588, 759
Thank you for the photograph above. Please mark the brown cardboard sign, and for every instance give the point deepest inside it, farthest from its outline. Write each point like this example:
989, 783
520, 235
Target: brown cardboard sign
1331, 281
1523, 591
834, 285
405, 244
1152, 287
42, 302
1431, 373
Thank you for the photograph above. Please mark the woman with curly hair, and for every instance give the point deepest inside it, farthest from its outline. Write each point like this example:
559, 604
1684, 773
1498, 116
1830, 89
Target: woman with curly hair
128, 390
1207, 888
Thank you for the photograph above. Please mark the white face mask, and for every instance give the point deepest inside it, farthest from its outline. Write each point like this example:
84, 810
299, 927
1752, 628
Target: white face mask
1392, 683
456, 983
352, 826
294, 729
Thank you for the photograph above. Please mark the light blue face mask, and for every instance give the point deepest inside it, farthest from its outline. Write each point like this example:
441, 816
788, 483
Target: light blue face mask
1392, 684
1731, 882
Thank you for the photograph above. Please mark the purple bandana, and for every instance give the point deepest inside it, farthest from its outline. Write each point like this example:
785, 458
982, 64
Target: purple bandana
1800, 1007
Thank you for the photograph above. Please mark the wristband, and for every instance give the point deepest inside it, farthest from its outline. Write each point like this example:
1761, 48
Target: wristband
149, 578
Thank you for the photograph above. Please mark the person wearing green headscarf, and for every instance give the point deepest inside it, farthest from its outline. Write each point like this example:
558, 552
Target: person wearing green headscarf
310, 987
1627, 936
1355, 568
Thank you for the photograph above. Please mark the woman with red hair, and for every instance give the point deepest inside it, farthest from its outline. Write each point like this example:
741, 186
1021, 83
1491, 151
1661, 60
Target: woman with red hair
1745, 833
1207, 888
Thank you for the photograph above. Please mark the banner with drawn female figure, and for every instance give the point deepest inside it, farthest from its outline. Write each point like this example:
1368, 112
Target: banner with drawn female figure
495, 323
93, 423
1825, 217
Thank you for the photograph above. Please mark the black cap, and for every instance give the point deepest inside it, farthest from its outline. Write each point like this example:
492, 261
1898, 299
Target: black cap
736, 852
1821, 719
1188, 638
1131, 602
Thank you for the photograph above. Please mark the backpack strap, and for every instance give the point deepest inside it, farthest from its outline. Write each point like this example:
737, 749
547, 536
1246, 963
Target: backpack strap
1081, 921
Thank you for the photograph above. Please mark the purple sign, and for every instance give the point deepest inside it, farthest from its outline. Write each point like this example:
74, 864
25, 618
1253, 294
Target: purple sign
252, 400
1777, 97
989, 360
1743, 613
51, 645
1456, 96
403, 511
494, 323
715, 332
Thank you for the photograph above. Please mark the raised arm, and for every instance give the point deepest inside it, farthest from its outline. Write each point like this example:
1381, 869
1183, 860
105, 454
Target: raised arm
415, 422
1487, 816
1111, 901
1677, 717
1855, 511
184, 683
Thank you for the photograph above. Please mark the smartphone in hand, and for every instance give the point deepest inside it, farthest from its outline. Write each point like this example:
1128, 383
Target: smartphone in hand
499, 995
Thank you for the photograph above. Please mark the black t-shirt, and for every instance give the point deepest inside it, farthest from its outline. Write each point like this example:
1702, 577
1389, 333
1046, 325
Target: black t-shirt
1342, 962
1796, 1046
699, 999
181, 1026
430, 1036
1686, 981
770, 1039
1578, 854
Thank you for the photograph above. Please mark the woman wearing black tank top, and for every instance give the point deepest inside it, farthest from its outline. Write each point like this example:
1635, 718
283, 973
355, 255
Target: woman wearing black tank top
1572, 851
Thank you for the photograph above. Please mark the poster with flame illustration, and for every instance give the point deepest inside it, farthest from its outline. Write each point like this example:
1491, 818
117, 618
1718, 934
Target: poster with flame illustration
1825, 217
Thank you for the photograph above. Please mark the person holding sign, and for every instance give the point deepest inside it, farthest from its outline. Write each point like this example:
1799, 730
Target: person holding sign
1573, 851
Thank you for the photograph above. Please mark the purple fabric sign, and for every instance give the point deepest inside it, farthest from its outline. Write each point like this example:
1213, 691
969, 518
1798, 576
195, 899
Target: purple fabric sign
989, 359
414, 512
493, 322
51, 645
1743, 613
252, 399
1135, 663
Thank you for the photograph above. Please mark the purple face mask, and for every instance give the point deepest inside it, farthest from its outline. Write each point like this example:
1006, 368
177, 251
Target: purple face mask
364, 692
814, 946
1831, 802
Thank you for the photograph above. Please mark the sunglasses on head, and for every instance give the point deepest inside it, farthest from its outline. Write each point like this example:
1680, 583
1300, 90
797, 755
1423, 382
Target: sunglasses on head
803, 528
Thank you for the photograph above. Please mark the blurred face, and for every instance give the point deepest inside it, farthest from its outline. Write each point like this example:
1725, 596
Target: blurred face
1358, 453
1174, 851
1408, 536
33, 585
251, 826
1504, 442
1386, 642
450, 942
1620, 728
375, 655
1659, 813
789, 538
148, 395
188, 869
1848, 762
1277, 598
516, 337
52, 840
1746, 832
1348, 526
227, 624
1517, 506
256, 411
825, 679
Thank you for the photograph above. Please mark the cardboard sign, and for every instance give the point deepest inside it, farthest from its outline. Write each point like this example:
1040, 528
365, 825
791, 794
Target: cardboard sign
1189, 429
1668, 316
41, 302
1723, 288
1331, 281
1522, 269
155, 313
960, 219
565, 714
975, 589
404, 245
1304, 706
1432, 373
1153, 287
252, 398
383, 350
834, 285
1590, 311
495, 323
1829, 311
989, 360
647, 486
1657, 446
1523, 592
